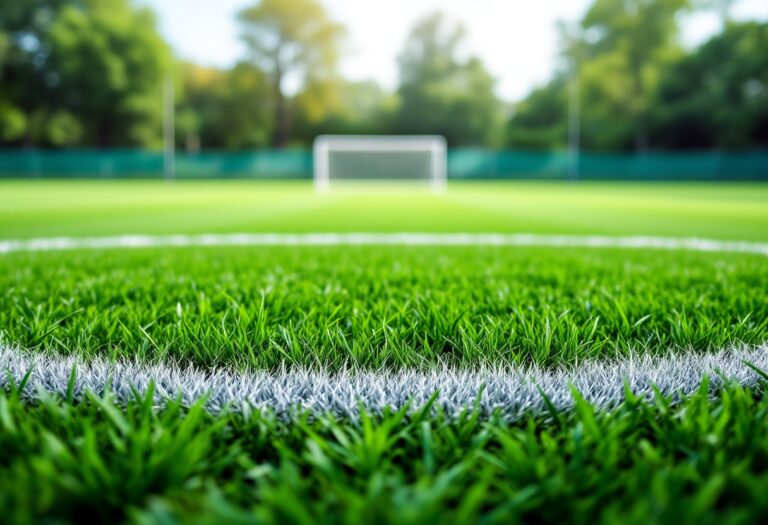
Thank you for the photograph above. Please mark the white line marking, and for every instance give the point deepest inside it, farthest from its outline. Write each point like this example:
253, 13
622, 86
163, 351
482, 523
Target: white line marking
511, 391
394, 239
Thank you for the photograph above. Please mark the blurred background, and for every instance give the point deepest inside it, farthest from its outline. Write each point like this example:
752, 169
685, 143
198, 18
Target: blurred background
588, 89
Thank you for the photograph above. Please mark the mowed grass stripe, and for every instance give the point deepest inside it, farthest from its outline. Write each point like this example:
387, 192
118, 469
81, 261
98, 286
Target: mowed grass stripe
510, 393
401, 307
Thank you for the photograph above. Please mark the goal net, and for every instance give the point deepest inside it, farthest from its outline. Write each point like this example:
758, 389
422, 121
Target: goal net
380, 158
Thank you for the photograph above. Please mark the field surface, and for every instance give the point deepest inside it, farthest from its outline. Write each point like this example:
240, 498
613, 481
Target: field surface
378, 307
691, 450
81, 208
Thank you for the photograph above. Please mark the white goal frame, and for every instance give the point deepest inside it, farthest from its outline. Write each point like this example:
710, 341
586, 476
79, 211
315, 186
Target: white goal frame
435, 145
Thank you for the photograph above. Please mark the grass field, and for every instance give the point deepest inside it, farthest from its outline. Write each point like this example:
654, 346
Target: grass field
54, 208
374, 307
700, 458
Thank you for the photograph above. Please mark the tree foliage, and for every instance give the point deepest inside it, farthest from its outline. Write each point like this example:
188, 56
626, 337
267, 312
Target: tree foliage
224, 109
717, 97
81, 72
90, 73
359, 108
626, 43
441, 92
291, 38
540, 121
25, 71
111, 64
639, 89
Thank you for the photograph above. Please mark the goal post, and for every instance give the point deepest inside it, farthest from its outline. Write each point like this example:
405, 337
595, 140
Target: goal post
380, 158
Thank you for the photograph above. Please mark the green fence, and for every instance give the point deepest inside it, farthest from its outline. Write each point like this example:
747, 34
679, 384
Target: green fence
146, 164
462, 164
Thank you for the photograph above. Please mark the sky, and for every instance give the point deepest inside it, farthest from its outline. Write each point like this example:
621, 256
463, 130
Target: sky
516, 39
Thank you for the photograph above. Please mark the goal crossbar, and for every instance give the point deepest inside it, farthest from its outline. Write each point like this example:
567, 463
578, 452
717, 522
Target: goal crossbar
432, 145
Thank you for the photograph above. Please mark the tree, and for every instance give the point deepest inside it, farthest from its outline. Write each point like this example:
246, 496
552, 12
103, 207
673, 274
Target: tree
26, 77
441, 93
12, 121
717, 97
224, 109
540, 121
358, 108
81, 72
111, 63
617, 55
628, 42
291, 38
5, 43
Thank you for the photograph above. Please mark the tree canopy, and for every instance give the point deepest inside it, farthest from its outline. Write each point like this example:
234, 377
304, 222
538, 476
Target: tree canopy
717, 97
291, 37
224, 109
441, 92
90, 73
82, 72
640, 89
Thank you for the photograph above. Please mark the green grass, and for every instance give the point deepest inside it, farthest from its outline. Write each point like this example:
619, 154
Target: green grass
79, 208
381, 306
700, 460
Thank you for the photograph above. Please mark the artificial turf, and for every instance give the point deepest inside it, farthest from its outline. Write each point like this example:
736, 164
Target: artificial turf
700, 459
374, 306
45, 208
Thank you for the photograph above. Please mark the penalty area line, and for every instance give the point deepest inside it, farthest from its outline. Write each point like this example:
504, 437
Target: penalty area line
381, 239
511, 392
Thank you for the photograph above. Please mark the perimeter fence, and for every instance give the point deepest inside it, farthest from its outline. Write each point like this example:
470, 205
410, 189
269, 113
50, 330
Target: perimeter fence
469, 164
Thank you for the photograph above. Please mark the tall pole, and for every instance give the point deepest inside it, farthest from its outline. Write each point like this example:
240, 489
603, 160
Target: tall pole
169, 134
574, 125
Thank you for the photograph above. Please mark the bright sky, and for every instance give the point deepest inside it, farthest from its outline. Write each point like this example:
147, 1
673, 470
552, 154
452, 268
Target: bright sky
516, 39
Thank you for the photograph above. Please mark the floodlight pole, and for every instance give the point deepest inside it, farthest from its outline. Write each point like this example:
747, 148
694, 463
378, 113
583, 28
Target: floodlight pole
574, 125
169, 135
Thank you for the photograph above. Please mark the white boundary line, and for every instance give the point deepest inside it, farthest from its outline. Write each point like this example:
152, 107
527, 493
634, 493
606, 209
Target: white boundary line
511, 391
392, 239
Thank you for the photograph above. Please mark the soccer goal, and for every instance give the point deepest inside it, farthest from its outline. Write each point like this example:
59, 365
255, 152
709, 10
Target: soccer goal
380, 158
